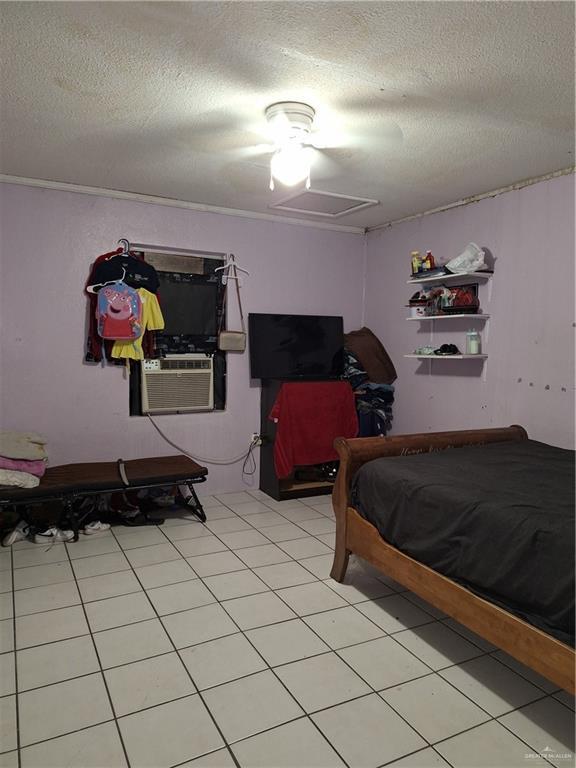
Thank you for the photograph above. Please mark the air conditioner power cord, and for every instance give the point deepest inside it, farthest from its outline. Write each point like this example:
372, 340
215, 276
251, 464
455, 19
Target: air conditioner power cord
247, 456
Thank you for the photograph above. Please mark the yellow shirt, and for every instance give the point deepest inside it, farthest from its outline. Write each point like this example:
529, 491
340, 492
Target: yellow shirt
152, 320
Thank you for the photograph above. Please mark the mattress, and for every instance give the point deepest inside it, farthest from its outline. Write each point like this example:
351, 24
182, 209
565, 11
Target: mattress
497, 518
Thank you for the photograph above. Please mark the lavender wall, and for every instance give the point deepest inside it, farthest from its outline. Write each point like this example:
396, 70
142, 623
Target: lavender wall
48, 240
528, 378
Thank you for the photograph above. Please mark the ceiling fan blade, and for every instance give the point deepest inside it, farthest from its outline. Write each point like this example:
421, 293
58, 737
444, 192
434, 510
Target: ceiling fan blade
324, 166
328, 140
252, 152
213, 138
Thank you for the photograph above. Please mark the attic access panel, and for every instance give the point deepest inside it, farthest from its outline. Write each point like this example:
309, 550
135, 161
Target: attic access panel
317, 203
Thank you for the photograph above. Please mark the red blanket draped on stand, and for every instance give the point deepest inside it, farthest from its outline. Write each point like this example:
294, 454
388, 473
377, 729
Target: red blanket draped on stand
310, 415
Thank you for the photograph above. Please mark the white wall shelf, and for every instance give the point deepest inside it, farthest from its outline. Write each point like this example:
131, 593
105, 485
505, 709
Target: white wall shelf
448, 317
480, 321
447, 357
465, 277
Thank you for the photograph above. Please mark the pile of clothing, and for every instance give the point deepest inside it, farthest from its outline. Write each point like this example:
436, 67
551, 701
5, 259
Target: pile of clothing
22, 459
370, 371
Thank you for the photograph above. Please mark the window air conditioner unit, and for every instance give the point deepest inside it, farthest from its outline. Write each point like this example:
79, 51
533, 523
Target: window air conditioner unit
178, 384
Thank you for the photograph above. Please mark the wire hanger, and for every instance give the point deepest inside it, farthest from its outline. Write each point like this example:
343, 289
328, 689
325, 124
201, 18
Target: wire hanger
230, 270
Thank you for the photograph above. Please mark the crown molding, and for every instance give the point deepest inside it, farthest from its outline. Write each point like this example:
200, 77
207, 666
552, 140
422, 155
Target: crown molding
64, 186
475, 198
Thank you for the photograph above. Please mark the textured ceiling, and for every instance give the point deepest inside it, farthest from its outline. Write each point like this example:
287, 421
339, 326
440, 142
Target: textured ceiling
435, 101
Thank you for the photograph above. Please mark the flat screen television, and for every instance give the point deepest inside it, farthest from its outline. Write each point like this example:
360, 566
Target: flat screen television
296, 346
189, 308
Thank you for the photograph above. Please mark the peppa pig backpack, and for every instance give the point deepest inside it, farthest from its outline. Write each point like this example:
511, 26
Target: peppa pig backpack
119, 312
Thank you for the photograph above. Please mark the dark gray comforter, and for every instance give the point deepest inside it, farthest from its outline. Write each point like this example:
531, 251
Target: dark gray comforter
498, 519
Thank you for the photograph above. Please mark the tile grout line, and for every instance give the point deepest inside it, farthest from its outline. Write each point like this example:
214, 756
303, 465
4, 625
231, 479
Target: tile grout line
412, 754
68, 733
524, 677
103, 676
16, 692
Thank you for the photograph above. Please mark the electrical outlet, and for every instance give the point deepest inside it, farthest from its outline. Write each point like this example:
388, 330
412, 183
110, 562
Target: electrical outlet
256, 439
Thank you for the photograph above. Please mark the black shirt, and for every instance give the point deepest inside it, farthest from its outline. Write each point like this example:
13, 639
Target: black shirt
131, 270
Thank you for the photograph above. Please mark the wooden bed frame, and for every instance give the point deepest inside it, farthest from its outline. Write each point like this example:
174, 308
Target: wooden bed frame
355, 535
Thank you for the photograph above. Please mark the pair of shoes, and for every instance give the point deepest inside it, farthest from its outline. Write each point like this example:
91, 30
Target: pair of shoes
18, 533
447, 349
53, 535
95, 527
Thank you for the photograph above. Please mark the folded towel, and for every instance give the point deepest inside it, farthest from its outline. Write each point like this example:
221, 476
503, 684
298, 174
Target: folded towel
18, 479
21, 465
22, 445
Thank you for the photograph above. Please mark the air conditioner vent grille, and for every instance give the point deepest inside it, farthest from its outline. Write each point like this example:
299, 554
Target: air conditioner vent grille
183, 365
180, 385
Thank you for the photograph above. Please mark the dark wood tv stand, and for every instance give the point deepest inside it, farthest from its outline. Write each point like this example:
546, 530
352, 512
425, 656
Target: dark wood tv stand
281, 490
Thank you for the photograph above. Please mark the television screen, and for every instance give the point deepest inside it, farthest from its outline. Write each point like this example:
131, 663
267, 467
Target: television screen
188, 307
296, 346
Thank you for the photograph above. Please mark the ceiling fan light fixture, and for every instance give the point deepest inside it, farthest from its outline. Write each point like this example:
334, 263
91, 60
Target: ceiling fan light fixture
290, 165
290, 124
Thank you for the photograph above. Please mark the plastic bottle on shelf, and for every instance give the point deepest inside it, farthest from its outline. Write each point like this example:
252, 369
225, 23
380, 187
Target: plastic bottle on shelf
472, 342
416, 262
429, 260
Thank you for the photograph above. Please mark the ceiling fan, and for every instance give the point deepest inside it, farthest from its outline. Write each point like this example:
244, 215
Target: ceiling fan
297, 140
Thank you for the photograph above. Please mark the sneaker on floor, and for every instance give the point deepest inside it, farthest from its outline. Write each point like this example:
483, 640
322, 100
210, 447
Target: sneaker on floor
53, 534
95, 527
18, 533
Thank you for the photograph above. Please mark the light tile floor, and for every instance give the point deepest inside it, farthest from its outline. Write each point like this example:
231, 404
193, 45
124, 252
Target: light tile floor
227, 644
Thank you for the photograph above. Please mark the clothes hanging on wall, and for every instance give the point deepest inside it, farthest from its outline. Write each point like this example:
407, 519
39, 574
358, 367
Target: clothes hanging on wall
151, 320
137, 271
129, 268
310, 415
